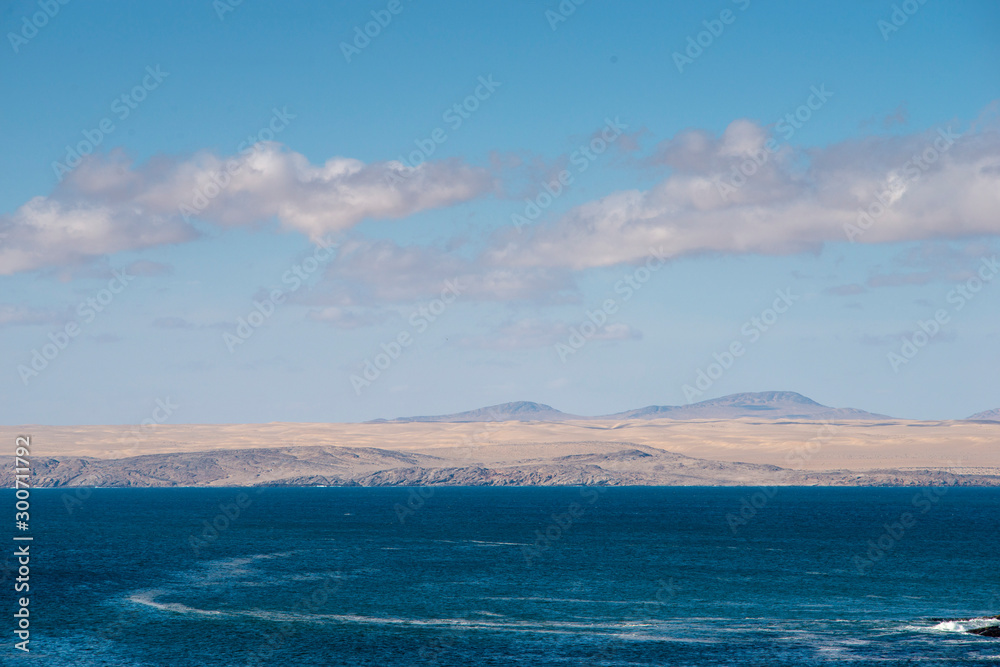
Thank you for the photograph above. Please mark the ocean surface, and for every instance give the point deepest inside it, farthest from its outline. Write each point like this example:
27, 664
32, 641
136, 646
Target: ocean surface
510, 576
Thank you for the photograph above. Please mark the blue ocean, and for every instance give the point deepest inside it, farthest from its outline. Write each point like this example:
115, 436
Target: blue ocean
511, 576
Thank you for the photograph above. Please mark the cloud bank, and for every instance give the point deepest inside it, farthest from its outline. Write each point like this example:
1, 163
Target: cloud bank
746, 192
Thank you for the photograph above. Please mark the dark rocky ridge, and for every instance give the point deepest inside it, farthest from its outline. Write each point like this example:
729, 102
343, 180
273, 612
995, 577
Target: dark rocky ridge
620, 464
991, 631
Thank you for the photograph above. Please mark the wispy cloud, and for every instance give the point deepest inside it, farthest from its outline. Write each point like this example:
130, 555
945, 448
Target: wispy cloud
173, 323
845, 290
381, 271
347, 318
534, 333
933, 261
21, 315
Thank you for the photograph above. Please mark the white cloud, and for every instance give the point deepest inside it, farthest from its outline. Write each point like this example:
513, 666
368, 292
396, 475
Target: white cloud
795, 201
336, 195
108, 204
47, 232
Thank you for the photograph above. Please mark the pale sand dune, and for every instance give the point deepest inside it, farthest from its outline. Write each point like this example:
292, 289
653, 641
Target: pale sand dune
804, 445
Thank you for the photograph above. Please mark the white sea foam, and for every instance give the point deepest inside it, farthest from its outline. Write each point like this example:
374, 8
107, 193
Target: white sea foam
574, 600
148, 598
966, 625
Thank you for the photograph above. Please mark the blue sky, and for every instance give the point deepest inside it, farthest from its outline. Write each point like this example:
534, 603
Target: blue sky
647, 206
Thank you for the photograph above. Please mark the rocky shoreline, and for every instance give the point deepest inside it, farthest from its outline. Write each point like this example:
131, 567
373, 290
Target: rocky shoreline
625, 464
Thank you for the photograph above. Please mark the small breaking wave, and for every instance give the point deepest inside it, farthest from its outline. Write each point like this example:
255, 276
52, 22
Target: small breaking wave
967, 625
984, 626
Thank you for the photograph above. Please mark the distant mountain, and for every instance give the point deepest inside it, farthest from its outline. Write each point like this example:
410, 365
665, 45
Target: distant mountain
762, 405
518, 411
765, 404
989, 415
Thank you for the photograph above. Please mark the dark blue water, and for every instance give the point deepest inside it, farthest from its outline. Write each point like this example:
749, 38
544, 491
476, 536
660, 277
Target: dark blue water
626, 576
